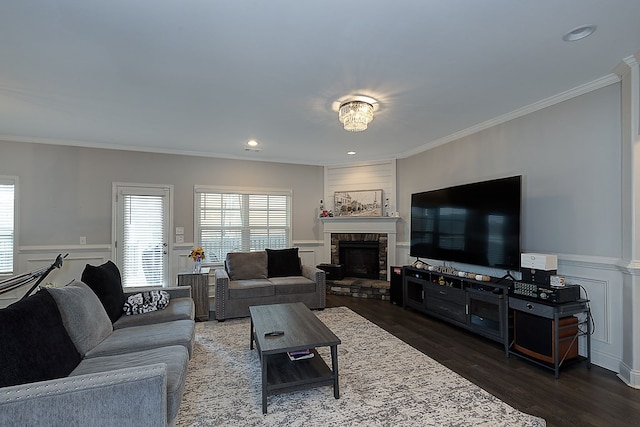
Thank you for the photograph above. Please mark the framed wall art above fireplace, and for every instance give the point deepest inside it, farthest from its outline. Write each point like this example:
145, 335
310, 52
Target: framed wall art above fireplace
360, 203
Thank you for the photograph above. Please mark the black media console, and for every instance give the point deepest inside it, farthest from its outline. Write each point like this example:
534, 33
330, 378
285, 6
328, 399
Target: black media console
478, 306
543, 332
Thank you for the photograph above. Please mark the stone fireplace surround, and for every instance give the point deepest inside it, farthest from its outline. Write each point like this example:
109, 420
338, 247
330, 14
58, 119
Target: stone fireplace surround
361, 227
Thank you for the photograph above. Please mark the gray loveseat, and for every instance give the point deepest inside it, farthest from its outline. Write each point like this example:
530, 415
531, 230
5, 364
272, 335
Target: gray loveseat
266, 277
65, 363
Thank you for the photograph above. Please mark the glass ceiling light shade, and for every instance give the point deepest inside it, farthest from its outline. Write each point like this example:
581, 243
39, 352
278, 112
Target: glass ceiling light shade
355, 115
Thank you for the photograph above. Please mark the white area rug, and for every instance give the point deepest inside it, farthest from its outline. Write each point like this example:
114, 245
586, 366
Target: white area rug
383, 382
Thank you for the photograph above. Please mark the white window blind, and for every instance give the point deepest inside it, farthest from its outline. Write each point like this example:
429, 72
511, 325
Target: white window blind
143, 251
7, 225
234, 221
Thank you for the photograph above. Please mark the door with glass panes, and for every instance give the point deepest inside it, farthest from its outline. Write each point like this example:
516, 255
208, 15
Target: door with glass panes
142, 230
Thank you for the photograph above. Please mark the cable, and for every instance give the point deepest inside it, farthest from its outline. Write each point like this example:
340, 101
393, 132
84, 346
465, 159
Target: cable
589, 315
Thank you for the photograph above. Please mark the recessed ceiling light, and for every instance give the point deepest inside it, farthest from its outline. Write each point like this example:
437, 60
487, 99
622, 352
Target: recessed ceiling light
579, 33
351, 153
252, 145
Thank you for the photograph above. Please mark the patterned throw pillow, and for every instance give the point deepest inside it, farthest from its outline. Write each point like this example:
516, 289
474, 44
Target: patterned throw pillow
145, 302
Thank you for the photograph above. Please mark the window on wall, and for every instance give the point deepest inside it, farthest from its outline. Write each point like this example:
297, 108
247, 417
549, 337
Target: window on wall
7, 224
237, 221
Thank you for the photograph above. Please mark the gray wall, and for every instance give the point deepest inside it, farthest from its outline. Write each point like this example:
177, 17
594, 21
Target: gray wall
65, 192
570, 157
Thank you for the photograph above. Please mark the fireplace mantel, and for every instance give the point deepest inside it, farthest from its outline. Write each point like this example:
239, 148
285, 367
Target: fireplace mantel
350, 224
382, 224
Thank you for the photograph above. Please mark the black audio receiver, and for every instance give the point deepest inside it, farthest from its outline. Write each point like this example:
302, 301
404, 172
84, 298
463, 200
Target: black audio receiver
567, 293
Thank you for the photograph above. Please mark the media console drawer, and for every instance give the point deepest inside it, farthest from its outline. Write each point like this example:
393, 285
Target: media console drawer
535, 308
445, 293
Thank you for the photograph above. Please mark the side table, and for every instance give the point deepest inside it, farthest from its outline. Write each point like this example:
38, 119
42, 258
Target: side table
199, 283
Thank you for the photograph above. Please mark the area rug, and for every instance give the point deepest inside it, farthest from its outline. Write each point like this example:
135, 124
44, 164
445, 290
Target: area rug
383, 382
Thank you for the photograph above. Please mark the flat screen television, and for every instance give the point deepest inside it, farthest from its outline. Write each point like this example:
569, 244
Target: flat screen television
476, 223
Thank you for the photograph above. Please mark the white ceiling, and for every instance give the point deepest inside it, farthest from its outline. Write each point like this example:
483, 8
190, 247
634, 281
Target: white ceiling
205, 76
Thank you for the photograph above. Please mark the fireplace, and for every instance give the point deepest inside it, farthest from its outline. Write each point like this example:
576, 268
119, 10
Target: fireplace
362, 255
376, 229
360, 259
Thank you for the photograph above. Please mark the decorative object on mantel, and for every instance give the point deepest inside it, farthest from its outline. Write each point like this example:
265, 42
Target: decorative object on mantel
197, 255
323, 212
362, 203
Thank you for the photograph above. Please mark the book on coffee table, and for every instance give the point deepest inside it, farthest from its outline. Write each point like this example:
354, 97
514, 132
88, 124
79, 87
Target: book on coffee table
300, 354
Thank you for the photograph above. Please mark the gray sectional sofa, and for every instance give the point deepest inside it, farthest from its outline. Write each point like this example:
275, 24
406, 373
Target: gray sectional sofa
65, 362
266, 277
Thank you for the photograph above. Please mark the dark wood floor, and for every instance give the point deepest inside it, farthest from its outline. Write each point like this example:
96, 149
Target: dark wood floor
580, 397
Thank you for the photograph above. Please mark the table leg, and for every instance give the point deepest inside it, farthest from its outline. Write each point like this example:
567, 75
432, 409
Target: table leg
264, 363
334, 367
251, 336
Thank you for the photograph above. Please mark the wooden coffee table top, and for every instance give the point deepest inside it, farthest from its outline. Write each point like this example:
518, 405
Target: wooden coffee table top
302, 329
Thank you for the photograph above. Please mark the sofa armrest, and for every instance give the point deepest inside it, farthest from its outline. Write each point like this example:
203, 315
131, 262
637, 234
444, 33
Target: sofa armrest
317, 275
129, 396
222, 289
174, 291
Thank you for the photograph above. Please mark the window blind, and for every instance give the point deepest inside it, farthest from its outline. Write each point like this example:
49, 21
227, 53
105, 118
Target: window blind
7, 225
232, 222
143, 251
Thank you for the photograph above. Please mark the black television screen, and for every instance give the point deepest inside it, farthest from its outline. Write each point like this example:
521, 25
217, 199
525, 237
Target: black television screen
475, 223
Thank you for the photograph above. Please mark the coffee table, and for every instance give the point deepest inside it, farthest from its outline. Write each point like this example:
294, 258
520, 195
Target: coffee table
301, 330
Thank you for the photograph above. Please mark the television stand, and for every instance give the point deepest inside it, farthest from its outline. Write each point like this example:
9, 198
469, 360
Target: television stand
480, 307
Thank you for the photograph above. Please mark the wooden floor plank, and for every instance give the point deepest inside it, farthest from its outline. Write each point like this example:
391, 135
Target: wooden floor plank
580, 397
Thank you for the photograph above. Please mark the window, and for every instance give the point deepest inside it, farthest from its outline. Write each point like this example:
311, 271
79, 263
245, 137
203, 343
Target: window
234, 221
7, 223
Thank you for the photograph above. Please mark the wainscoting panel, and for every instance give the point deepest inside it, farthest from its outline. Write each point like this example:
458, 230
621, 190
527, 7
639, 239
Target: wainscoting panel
31, 258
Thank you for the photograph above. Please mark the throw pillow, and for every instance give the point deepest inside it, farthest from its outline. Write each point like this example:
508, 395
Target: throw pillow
246, 265
106, 282
145, 302
283, 262
83, 315
34, 345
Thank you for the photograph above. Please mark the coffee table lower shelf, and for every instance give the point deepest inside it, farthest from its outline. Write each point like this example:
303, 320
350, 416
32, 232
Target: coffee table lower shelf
285, 375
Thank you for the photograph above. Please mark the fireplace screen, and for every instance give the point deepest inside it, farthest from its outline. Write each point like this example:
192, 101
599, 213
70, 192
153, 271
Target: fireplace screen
360, 259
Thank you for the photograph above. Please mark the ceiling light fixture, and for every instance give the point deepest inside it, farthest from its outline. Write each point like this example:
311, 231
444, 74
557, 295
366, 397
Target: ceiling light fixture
579, 33
355, 115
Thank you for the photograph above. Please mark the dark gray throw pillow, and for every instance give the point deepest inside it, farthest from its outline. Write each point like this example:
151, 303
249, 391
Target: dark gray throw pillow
34, 345
246, 265
283, 262
106, 282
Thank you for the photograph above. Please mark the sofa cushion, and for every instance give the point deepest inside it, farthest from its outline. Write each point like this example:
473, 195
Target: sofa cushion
82, 314
106, 282
34, 344
175, 357
254, 288
246, 265
178, 309
283, 262
293, 285
139, 338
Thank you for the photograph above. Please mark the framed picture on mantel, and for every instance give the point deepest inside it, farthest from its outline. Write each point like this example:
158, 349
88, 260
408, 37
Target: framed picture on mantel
361, 203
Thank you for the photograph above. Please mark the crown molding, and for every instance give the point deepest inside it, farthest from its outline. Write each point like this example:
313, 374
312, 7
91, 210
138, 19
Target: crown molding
627, 64
605, 81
